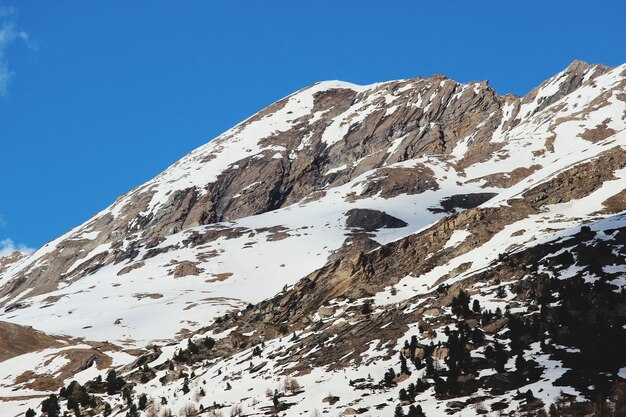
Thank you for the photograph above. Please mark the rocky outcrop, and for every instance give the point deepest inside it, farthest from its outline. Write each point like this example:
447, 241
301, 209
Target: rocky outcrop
358, 274
564, 83
462, 201
370, 220
8, 260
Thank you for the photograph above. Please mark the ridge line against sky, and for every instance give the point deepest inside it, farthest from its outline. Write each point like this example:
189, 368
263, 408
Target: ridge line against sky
101, 97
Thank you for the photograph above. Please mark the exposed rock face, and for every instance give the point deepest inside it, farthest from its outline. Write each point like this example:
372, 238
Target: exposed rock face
364, 274
391, 182
370, 220
6, 261
319, 138
568, 81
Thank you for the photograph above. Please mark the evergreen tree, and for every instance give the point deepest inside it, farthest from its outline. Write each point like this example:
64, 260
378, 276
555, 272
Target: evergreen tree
440, 385
489, 352
403, 396
127, 394
500, 357
84, 399
112, 382
71, 403
486, 317
413, 346
415, 411
553, 411
132, 411
30, 413
520, 363
389, 377
460, 304
192, 347
420, 386
477, 336
398, 412
412, 391
452, 384
51, 406
501, 292
143, 402
476, 306
179, 355
417, 362
430, 366
404, 369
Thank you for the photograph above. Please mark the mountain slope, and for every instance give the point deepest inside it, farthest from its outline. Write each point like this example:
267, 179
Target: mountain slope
282, 218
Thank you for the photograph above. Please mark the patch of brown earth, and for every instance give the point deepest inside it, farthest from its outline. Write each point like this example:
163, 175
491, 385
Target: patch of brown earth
77, 360
16, 340
187, 268
129, 268
275, 232
220, 277
614, 204
598, 133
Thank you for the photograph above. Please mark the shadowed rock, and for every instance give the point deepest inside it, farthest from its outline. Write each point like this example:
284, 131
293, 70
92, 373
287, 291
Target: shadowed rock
370, 220
462, 201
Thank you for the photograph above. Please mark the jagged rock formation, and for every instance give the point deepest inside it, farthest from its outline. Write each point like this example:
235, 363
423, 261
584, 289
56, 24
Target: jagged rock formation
8, 260
339, 223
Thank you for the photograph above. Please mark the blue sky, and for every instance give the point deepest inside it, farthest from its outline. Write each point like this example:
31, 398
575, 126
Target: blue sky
98, 97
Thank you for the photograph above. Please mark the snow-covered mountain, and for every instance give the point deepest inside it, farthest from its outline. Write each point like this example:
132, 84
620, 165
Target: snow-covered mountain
309, 242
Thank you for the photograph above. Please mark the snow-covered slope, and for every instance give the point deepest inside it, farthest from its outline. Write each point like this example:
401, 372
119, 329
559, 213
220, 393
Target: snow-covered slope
247, 220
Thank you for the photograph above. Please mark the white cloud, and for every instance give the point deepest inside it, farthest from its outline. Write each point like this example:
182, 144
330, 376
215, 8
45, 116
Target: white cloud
9, 33
7, 247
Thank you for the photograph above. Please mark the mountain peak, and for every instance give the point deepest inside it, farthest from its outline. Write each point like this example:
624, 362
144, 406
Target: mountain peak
577, 65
